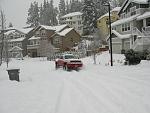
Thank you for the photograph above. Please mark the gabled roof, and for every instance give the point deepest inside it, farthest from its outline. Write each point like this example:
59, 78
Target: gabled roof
64, 32
46, 27
59, 27
113, 10
127, 2
17, 40
34, 38
16, 48
72, 14
54, 28
26, 30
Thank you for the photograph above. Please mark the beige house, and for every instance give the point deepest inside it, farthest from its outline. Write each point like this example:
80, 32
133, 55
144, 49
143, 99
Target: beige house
74, 20
102, 22
132, 30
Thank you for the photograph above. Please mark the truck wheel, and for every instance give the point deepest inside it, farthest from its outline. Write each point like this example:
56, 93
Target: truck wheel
66, 68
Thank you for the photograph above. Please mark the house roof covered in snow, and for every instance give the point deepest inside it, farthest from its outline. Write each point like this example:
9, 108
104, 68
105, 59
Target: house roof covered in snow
55, 28
113, 10
118, 22
16, 48
59, 27
17, 39
47, 27
120, 35
64, 32
26, 30
72, 14
143, 16
127, 2
34, 38
10, 31
116, 9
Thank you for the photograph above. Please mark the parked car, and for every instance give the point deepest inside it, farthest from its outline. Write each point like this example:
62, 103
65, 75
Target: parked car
68, 62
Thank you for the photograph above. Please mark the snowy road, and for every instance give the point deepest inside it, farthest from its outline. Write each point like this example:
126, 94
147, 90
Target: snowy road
95, 89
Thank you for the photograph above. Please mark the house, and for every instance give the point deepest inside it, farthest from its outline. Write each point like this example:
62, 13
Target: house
74, 20
102, 22
44, 40
66, 39
132, 30
16, 39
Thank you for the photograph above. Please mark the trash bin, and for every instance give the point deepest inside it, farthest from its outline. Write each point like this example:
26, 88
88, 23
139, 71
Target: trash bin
13, 74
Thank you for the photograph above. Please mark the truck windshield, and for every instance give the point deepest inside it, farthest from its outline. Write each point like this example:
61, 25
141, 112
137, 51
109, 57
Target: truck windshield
69, 56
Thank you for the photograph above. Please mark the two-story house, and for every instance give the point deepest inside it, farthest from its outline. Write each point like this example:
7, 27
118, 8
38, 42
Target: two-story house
45, 40
131, 31
103, 21
74, 20
16, 42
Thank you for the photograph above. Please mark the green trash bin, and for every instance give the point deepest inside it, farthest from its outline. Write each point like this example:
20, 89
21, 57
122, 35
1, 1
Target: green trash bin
13, 74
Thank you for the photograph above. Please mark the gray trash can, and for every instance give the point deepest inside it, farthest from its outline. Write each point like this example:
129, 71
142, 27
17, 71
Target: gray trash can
13, 74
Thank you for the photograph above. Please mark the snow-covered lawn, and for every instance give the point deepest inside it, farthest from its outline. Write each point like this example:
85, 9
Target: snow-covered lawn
94, 89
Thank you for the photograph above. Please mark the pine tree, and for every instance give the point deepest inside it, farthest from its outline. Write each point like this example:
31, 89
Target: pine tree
75, 6
33, 14
89, 17
67, 7
62, 7
10, 25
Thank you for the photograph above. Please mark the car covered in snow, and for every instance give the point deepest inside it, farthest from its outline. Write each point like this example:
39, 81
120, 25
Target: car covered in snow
68, 62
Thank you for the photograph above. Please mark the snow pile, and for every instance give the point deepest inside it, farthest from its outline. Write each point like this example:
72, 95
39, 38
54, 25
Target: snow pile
94, 89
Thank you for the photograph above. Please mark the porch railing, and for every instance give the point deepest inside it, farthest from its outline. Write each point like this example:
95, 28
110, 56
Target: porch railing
146, 30
142, 41
135, 31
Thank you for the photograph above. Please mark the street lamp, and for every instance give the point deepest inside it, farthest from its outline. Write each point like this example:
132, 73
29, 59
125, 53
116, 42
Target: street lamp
110, 38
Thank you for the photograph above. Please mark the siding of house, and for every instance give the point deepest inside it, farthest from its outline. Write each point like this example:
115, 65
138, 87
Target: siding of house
102, 23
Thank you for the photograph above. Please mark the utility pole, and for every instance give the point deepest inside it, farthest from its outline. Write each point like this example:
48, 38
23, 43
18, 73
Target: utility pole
2, 32
110, 38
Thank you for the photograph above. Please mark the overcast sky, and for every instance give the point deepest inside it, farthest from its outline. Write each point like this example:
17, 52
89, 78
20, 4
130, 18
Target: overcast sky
16, 10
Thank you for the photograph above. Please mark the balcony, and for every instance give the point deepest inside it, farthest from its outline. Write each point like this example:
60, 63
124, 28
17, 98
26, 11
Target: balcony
33, 46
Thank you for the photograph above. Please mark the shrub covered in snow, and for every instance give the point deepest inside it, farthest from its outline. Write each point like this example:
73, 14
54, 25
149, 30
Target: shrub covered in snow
132, 57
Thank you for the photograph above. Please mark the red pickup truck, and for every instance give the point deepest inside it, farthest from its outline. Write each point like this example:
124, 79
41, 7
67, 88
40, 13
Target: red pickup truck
68, 62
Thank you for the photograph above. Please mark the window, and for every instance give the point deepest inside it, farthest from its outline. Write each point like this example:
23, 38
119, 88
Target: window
126, 27
133, 10
123, 27
148, 21
79, 22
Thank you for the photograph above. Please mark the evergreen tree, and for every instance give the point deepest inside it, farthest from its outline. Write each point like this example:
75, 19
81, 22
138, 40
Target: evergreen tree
101, 9
67, 7
33, 14
75, 6
62, 7
89, 17
10, 25
48, 13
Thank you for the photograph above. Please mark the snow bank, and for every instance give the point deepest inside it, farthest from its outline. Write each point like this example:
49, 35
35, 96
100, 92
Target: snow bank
94, 89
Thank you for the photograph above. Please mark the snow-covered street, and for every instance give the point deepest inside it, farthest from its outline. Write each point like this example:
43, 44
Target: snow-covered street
94, 89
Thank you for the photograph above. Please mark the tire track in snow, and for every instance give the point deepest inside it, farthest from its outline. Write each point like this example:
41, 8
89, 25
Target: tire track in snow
99, 103
58, 101
123, 93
